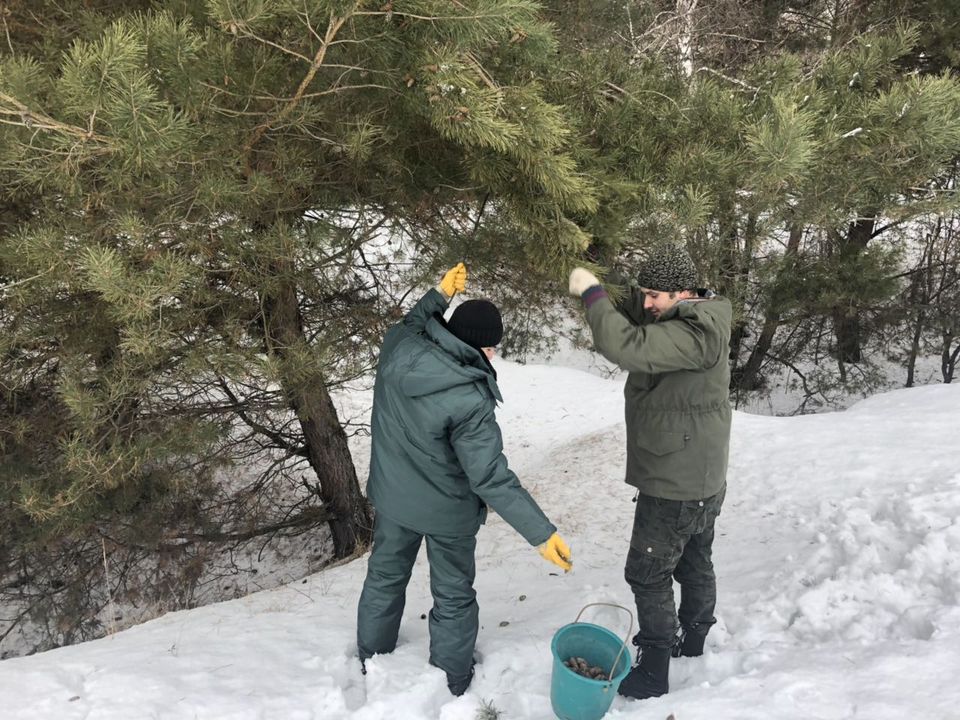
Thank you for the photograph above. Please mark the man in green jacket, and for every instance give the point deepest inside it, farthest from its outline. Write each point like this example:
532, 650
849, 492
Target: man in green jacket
436, 464
673, 339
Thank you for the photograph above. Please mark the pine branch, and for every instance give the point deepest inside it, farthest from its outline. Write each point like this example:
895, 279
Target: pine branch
335, 88
741, 83
12, 285
306, 21
633, 97
310, 516
735, 37
15, 622
280, 441
278, 46
33, 119
487, 80
6, 31
336, 23
430, 18
340, 88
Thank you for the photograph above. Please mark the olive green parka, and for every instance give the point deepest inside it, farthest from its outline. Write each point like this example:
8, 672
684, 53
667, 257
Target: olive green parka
676, 396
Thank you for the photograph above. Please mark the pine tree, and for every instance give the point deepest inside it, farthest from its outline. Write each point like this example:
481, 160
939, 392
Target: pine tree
874, 139
190, 258
819, 151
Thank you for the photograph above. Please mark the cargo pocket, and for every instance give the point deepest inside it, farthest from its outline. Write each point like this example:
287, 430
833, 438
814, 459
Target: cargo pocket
655, 547
693, 517
649, 561
658, 442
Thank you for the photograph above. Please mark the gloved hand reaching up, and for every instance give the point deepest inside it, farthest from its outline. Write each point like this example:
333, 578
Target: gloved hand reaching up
557, 551
580, 280
454, 281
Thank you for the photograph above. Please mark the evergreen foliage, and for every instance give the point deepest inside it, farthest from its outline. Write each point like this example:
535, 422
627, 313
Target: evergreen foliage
801, 156
213, 208
197, 197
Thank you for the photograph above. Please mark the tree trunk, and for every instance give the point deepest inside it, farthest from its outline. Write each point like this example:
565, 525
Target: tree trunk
750, 375
326, 442
735, 265
846, 329
914, 348
948, 359
770, 11
920, 298
685, 34
846, 317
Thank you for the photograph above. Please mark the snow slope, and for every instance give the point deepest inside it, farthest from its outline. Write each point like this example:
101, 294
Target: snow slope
839, 584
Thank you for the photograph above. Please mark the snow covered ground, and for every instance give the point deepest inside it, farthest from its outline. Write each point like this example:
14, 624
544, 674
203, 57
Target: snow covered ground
839, 584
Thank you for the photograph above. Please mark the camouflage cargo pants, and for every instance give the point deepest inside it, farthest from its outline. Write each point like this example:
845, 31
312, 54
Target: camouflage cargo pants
673, 540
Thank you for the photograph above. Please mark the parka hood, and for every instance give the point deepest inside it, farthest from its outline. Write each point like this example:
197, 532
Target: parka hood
455, 364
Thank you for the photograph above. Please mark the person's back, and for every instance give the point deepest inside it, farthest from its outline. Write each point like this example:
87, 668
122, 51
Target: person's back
427, 384
436, 462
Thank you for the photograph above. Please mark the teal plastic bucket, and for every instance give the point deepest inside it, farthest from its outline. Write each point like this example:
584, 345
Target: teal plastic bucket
573, 696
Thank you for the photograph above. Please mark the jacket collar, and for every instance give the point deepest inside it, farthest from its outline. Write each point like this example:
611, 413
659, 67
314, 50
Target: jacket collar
680, 306
464, 359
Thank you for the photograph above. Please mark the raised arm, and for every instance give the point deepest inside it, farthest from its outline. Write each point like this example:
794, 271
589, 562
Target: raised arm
689, 341
437, 299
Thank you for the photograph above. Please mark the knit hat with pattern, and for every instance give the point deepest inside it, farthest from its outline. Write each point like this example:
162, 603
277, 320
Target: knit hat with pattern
668, 268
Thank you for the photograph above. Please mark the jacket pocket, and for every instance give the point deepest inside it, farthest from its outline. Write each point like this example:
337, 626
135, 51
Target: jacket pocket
658, 442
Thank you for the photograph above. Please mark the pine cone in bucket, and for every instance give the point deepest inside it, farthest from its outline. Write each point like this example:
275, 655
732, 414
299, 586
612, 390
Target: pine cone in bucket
585, 669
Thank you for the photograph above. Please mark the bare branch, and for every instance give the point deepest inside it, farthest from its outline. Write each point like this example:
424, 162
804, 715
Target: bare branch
332, 29
741, 83
37, 120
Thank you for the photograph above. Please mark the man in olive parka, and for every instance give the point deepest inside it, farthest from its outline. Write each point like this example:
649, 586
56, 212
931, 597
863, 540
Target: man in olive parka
436, 464
673, 339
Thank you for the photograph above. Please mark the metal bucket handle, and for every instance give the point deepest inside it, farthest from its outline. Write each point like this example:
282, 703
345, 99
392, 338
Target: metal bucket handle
623, 647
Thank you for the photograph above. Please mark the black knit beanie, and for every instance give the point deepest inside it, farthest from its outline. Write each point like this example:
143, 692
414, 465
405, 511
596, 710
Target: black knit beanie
668, 268
477, 323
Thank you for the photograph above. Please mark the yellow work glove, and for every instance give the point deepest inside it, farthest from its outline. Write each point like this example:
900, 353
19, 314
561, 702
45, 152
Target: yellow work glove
454, 281
557, 551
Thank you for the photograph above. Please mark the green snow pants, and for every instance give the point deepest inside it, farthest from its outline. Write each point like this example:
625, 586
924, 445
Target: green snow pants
454, 618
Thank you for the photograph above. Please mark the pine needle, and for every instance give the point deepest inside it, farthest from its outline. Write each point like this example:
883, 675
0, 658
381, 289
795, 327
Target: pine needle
487, 711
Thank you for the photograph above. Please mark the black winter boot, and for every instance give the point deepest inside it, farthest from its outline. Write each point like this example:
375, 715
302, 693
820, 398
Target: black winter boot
651, 675
690, 643
458, 685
